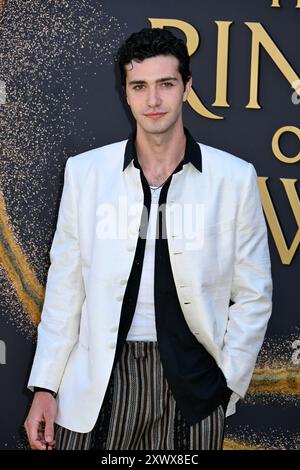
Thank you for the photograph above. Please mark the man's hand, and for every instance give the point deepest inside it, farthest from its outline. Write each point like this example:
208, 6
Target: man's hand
39, 423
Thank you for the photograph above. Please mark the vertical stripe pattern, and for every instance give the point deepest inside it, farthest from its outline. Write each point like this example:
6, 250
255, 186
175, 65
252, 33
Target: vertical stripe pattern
140, 412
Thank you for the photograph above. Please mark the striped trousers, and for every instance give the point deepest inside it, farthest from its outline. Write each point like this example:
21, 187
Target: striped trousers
140, 412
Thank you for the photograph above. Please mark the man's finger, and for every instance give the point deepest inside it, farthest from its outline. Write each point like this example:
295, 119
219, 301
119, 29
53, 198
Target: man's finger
49, 429
37, 444
33, 429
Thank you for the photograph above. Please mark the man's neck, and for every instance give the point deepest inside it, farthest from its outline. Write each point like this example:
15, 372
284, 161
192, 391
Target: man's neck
159, 154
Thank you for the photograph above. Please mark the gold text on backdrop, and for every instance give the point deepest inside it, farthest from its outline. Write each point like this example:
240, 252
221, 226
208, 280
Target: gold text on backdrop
275, 144
277, 4
286, 253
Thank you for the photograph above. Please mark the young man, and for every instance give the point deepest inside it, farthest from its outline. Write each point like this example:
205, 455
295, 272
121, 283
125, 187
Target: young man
151, 326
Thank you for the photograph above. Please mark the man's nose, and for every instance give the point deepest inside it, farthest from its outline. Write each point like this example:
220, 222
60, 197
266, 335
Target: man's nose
154, 99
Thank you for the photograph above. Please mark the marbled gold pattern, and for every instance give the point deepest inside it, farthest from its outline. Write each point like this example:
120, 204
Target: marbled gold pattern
280, 380
29, 290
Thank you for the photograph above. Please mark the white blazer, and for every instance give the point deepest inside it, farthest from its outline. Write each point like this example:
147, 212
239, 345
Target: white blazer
91, 258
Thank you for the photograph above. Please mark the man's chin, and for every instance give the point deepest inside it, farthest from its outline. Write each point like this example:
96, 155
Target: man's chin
157, 128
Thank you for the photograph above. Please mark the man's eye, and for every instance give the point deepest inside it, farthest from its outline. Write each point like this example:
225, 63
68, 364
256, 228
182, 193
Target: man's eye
138, 87
167, 84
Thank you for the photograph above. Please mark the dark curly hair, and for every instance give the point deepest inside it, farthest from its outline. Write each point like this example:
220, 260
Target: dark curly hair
151, 42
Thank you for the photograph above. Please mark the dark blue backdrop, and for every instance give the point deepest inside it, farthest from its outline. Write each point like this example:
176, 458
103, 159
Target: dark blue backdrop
62, 97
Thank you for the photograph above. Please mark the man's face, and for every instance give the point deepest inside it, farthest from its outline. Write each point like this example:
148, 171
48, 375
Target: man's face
155, 92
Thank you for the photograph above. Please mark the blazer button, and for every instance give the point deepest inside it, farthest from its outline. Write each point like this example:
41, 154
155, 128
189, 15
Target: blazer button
120, 297
130, 248
114, 329
123, 282
112, 345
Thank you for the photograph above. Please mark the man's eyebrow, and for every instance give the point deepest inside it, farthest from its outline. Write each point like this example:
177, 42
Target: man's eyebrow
167, 79
160, 80
137, 82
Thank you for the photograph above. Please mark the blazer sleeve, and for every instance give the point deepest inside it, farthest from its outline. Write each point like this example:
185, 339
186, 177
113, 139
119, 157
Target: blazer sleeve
251, 290
64, 295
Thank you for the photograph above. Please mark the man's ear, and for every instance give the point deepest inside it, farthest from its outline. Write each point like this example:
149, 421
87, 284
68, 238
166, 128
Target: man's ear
187, 89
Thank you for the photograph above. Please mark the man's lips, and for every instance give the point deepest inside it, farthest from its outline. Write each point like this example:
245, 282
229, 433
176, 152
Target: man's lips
155, 115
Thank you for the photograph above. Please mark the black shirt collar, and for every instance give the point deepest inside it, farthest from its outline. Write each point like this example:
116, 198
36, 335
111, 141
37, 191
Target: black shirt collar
192, 153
